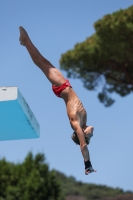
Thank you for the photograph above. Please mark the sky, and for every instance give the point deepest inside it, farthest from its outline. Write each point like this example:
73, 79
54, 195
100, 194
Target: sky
55, 27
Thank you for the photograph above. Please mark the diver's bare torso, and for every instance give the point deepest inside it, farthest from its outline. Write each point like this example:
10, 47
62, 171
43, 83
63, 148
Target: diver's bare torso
75, 109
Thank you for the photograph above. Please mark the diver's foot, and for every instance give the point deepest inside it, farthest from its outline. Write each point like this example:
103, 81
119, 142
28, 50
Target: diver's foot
23, 36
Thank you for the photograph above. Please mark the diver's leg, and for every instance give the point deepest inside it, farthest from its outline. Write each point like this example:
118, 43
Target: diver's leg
52, 73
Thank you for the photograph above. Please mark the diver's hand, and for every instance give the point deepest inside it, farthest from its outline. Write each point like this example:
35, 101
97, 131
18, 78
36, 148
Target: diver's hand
89, 170
88, 167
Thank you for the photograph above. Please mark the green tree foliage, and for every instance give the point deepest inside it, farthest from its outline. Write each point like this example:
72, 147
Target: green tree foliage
32, 180
77, 190
29, 180
106, 58
121, 197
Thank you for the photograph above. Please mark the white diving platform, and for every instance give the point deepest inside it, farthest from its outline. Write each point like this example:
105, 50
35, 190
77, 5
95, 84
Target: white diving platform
16, 118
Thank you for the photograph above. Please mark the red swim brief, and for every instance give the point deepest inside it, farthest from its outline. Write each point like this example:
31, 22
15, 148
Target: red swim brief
58, 89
